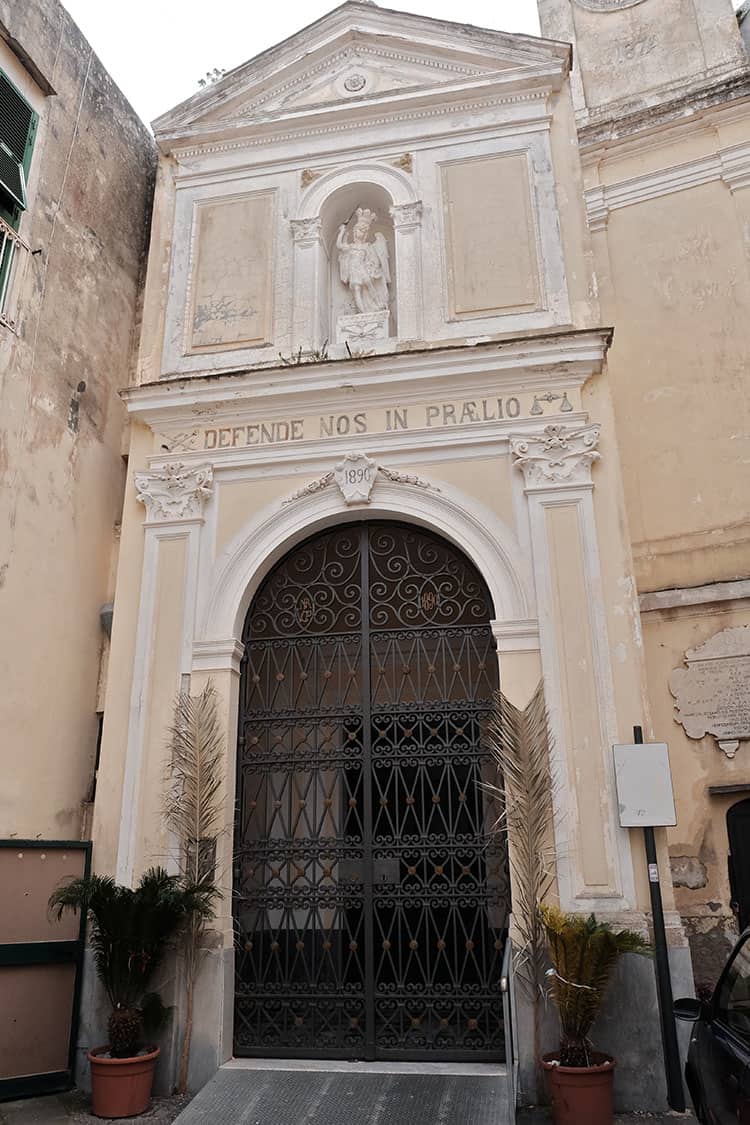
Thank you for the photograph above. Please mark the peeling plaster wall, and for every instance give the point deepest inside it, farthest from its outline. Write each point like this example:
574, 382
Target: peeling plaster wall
698, 845
61, 469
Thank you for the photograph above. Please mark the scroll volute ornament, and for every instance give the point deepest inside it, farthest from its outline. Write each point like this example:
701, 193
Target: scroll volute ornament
557, 455
174, 492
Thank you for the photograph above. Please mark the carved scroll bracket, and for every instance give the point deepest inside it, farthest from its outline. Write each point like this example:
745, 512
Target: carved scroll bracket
355, 474
557, 456
175, 493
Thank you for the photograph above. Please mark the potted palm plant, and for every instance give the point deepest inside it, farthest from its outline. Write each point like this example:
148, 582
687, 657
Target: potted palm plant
583, 953
130, 930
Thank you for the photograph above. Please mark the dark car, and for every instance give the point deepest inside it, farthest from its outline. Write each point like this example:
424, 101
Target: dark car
718, 1065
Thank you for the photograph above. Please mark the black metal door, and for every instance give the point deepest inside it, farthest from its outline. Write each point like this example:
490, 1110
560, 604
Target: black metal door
370, 897
738, 831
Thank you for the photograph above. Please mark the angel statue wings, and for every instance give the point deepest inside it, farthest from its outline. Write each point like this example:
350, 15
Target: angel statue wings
363, 265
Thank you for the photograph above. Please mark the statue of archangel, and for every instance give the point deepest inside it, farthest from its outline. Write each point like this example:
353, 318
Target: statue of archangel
363, 265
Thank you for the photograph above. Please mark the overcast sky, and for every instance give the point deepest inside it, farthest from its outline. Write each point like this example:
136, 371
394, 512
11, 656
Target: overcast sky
156, 50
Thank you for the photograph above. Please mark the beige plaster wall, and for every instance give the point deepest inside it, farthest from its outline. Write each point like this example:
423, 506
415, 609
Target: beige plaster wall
61, 471
678, 370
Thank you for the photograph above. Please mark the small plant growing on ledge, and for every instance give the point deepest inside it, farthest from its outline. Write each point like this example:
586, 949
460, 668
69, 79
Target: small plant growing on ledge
298, 358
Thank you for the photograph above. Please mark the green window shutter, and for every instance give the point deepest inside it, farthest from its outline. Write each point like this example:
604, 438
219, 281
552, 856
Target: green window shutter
18, 125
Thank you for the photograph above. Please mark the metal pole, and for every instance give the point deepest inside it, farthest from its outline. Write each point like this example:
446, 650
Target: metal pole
672, 1069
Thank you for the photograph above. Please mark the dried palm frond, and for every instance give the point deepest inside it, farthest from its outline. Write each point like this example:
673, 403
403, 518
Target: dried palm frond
193, 810
520, 742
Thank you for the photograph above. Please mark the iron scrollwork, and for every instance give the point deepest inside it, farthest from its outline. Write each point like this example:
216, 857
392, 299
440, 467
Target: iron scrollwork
370, 897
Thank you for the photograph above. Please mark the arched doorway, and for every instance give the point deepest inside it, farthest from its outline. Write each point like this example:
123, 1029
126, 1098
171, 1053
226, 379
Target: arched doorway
370, 898
738, 831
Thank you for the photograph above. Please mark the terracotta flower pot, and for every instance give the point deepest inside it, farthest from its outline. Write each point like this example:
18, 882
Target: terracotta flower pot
581, 1095
121, 1087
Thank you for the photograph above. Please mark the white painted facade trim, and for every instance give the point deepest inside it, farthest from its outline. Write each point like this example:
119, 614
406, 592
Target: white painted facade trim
731, 165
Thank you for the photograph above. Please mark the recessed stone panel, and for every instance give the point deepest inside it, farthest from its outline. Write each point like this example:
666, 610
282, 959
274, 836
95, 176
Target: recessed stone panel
230, 305
491, 251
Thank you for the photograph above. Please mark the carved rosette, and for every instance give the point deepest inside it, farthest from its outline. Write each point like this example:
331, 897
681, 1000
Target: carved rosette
406, 215
557, 456
306, 232
175, 493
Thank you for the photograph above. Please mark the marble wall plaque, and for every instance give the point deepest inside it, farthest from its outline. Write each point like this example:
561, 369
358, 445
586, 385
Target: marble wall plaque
713, 691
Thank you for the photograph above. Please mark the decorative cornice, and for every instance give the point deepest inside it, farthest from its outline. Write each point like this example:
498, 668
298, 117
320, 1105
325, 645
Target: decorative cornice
732, 165
627, 123
516, 636
175, 493
407, 215
688, 597
558, 456
596, 208
735, 166
539, 94
217, 656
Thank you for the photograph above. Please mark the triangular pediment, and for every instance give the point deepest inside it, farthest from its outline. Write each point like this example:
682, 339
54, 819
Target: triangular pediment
355, 56
355, 72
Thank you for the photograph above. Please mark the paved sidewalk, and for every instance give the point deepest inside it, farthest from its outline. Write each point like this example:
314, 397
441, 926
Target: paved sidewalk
73, 1109
542, 1117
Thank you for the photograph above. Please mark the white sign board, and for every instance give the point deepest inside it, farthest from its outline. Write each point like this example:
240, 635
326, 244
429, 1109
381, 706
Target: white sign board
644, 786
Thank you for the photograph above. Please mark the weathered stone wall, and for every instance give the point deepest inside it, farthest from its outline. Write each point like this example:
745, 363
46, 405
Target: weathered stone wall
61, 468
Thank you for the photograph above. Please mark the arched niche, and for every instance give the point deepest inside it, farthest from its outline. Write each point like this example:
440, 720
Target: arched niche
325, 203
340, 207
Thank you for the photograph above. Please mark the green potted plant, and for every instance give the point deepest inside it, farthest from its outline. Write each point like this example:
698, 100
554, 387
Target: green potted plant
129, 932
583, 953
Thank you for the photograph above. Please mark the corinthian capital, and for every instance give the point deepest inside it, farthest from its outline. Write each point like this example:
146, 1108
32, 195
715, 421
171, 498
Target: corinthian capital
406, 215
306, 230
176, 492
556, 456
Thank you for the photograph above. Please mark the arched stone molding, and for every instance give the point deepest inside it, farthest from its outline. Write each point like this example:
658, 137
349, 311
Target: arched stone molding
311, 261
394, 181
266, 538
233, 580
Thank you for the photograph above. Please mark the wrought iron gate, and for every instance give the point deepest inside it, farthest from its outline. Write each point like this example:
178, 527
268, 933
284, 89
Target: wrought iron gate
370, 897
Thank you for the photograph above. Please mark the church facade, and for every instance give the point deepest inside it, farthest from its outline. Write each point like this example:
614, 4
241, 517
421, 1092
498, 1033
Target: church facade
420, 358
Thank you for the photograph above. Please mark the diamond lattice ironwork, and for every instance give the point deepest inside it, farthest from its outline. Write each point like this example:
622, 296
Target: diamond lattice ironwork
370, 896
